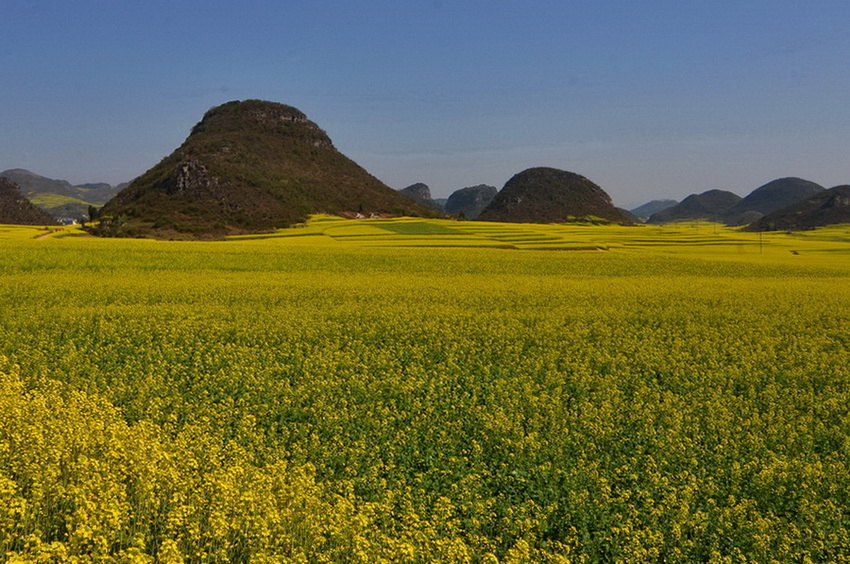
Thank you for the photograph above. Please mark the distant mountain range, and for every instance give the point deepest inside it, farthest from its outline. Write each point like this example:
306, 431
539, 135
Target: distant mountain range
731, 209
253, 166
60, 198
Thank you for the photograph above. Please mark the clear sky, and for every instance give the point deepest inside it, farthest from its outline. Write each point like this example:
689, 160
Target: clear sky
649, 99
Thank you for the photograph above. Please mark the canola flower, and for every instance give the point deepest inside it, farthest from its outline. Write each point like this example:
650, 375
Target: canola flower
308, 399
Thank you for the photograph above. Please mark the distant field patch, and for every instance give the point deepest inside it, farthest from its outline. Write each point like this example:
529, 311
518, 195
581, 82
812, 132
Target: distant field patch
420, 228
55, 200
354, 230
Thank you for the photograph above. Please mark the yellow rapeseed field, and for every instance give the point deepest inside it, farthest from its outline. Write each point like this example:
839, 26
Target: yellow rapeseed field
402, 390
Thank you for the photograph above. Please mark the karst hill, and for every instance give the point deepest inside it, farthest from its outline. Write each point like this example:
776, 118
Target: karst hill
710, 205
421, 194
469, 202
731, 209
248, 167
826, 207
550, 195
771, 197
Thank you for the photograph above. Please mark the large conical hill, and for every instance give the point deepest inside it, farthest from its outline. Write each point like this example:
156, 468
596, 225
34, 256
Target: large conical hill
248, 167
550, 195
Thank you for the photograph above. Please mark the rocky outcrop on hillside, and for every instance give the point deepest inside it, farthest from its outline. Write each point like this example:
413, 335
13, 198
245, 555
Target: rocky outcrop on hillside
469, 202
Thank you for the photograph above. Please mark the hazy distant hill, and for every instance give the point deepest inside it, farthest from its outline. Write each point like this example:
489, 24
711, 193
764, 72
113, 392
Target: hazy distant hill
549, 195
100, 193
247, 167
60, 198
711, 205
771, 197
827, 207
421, 194
15, 209
469, 202
643, 212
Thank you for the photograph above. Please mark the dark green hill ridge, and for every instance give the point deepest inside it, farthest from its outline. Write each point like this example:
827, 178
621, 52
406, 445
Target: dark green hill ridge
15, 209
248, 167
710, 205
828, 207
550, 195
771, 197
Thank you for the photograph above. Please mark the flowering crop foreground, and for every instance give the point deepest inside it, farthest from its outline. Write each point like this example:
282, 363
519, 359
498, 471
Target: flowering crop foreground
426, 391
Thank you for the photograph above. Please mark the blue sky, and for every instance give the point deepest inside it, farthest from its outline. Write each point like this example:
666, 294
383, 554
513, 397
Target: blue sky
649, 99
